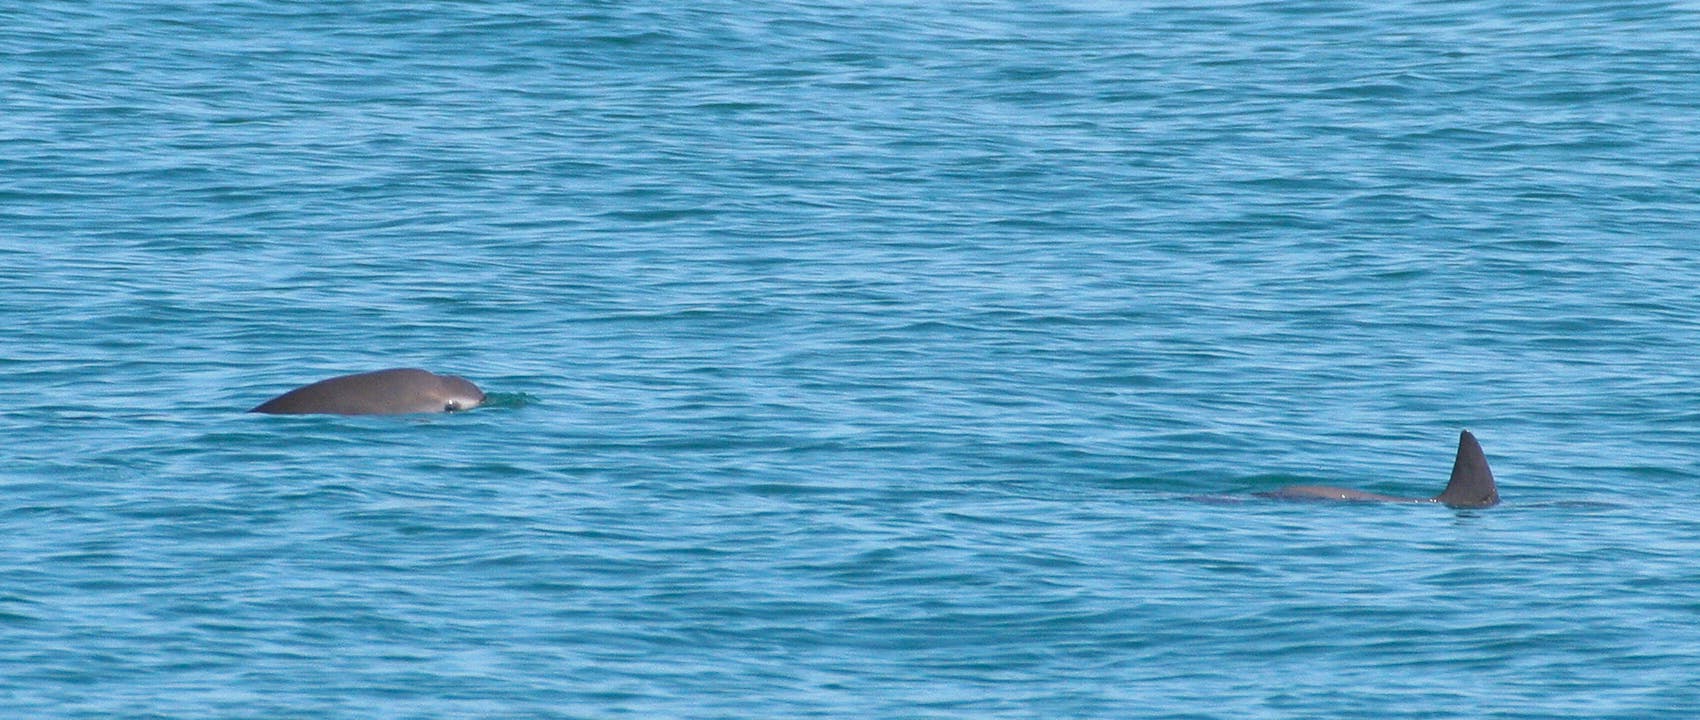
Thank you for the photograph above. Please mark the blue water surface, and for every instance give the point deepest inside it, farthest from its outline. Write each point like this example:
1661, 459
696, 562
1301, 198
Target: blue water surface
887, 359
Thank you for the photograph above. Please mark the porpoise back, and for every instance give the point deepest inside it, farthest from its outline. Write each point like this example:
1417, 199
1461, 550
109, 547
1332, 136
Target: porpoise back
1471, 484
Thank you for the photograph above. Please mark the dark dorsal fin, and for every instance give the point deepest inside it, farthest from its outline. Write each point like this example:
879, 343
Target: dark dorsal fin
1472, 482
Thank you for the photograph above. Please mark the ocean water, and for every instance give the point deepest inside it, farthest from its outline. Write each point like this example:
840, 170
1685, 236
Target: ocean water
886, 359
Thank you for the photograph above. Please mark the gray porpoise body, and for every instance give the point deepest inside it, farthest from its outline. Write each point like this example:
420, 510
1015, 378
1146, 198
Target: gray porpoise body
1471, 484
386, 392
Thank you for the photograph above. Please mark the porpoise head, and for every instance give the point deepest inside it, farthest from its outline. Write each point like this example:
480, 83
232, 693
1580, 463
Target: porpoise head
458, 393
384, 392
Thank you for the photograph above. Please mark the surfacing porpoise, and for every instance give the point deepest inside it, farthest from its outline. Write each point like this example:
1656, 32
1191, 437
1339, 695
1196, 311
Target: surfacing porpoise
395, 391
1471, 485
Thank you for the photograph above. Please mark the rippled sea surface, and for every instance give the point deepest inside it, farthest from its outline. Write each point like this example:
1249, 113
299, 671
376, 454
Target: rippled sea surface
886, 360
